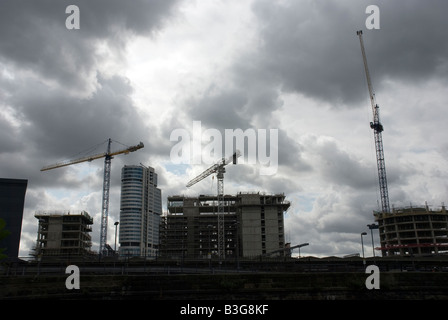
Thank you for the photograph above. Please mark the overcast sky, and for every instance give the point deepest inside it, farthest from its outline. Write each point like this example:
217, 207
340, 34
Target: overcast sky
137, 70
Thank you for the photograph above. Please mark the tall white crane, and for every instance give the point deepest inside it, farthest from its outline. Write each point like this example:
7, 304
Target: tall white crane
377, 129
219, 169
108, 156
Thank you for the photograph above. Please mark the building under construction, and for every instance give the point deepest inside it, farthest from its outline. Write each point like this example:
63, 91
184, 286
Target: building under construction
253, 226
413, 231
63, 233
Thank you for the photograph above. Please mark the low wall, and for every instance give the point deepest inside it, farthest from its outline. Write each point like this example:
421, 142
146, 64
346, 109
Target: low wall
236, 286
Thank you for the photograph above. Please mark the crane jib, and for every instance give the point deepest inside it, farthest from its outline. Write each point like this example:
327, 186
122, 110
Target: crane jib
219, 169
92, 157
378, 128
108, 156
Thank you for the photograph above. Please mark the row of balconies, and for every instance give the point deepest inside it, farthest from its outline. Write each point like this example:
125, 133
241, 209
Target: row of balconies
414, 226
413, 239
67, 244
416, 218
85, 231
408, 235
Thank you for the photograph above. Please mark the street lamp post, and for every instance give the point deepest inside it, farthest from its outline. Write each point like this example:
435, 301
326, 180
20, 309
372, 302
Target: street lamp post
371, 227
362, 245
115, 247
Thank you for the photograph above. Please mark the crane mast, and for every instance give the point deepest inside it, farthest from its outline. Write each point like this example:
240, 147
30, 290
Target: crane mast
219, 169
377, 130
108, 156
105, 201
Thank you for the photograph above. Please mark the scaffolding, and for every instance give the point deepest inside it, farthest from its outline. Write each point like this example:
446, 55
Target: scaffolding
253, 225
413, 230
63, 233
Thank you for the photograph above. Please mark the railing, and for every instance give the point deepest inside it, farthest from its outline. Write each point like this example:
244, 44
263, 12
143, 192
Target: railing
49, 213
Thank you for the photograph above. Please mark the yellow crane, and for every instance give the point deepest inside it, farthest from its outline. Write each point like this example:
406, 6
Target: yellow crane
108, 156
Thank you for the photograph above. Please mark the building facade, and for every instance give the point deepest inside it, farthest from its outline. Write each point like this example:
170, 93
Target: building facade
253, 226
63, 233
413, 231
140, 211
12, 200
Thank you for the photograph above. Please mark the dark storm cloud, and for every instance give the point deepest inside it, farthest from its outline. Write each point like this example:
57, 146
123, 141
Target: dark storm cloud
34, 36
414, 50
8, 138
55, 127
340, 168
58, 97
59, 123
220, 110
311, 47
290, 154
55, 101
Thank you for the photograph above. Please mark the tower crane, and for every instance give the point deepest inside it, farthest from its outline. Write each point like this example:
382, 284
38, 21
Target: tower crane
108, 156
377, 129
219, 169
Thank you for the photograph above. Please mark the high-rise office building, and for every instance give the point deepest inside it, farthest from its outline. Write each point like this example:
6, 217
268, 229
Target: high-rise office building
12, 201
140, 211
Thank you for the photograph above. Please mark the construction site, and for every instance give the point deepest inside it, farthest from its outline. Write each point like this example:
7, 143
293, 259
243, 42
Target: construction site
403, 231
108, 155
253, 226
63, 234
231, 246
413, 230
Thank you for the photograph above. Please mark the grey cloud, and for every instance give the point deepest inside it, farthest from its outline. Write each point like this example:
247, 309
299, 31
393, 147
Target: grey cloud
45, 73
34, 36
338, 166
8, 137
290, 154
413, 46
259, 86
58, 103
219, 109
53, 127
312, 48
59, 124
